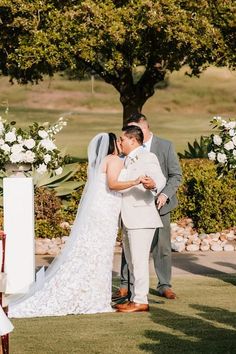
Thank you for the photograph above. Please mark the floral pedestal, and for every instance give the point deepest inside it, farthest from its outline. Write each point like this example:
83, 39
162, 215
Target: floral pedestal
17, 170
18, 206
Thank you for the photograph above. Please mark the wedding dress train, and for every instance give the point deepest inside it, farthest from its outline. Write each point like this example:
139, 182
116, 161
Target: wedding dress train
82, 284
80, 280
5, 324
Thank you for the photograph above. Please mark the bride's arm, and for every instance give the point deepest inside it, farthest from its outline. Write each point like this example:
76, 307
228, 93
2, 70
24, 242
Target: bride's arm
113, 168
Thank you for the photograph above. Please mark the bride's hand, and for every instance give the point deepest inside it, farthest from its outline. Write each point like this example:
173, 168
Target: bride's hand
139, 180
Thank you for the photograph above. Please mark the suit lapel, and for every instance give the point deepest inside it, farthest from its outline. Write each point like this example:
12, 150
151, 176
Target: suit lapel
156, 148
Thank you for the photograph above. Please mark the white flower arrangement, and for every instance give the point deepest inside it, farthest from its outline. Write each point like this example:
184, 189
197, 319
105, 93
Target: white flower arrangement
223, 145
34, 145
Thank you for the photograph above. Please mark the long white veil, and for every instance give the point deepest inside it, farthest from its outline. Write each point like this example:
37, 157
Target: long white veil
97, 150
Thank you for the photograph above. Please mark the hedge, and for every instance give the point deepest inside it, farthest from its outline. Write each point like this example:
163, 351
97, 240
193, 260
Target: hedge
209, 200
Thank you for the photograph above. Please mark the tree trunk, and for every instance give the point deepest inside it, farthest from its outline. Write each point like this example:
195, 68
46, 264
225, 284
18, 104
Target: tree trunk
133, 96
130, 108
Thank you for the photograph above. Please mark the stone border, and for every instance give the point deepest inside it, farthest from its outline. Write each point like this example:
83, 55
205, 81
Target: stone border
184, 237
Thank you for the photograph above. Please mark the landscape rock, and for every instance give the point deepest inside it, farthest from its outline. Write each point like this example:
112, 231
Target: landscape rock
204, 248
216, 247
228, 248
192, 248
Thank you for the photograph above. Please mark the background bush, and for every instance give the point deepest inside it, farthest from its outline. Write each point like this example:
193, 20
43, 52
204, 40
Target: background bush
48, 215
210, 201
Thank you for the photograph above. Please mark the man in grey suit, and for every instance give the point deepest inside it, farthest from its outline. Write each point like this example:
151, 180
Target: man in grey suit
166, 201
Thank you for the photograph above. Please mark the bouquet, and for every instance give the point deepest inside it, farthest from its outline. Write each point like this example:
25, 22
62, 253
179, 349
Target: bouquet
34, 146
223, 145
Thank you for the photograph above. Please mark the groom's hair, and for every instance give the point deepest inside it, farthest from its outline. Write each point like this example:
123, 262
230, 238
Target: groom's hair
132, 131
136, 118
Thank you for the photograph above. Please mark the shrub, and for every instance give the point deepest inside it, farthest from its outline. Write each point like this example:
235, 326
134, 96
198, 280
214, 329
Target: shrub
210, 201
48, 216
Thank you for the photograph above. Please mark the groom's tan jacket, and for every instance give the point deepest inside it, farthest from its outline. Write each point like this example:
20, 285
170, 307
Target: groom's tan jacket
138, 210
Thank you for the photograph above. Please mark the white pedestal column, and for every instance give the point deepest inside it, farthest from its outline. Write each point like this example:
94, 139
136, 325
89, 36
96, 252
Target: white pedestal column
18, 205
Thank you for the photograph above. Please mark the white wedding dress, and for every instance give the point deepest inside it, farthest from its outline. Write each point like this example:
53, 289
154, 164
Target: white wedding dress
5, 324
81, 280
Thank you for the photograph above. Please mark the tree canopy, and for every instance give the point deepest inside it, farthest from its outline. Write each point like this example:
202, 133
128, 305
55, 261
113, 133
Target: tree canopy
113, 37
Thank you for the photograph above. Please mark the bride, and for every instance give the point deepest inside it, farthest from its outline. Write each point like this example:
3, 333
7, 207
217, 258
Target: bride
79, 280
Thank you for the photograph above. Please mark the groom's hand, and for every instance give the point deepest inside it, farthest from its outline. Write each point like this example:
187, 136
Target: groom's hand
148, 182
161, 201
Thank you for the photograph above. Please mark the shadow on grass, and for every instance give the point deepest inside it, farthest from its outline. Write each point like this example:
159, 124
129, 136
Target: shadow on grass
186, 334
226, 264
191, 265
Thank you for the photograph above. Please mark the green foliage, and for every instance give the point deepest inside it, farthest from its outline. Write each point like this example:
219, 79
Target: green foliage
58, 199
112, 38
48, 216
210, 201
64, 184
197, 149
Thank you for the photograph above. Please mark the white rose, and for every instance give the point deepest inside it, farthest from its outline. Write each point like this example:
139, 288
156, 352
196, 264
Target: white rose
217, 140
230, 125
232, 132
16, 157
5, 148
42, 168
29, 143
58, 171
234, 140
48, 144
29, 156
229, 146
47, 158
2, 141
16, 148
1, 128
222, 158
10, 137
212, 155
43, 134
19, 139
234, 152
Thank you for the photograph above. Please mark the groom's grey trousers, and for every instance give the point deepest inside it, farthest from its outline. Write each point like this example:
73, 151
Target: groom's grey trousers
161, 252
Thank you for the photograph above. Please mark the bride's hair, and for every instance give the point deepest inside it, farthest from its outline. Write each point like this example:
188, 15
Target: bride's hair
112, 143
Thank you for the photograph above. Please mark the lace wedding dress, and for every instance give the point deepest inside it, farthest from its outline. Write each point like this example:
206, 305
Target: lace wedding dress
80, 283
5, 324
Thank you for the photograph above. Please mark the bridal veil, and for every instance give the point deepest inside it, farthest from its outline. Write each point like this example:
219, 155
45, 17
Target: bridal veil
97, 150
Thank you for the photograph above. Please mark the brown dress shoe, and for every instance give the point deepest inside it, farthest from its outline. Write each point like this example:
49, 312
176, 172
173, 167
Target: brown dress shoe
121, 306
134, 307
169, 294
122, 292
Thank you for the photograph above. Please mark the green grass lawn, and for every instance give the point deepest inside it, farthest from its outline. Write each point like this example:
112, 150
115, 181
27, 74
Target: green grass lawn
181, 112
201, 320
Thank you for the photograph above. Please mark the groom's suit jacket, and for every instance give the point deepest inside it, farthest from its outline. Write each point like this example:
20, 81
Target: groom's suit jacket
170, 167
138, 209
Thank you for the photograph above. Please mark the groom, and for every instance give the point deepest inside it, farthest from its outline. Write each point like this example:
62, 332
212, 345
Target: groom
138, 213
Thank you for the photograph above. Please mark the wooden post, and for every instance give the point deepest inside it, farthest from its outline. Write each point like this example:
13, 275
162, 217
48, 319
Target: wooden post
4, 349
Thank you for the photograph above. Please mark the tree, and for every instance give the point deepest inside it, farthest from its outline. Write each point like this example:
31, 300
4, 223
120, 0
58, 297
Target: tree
113, 37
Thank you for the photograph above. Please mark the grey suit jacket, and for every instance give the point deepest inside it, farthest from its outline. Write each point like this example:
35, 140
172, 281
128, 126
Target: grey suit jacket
170, 167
